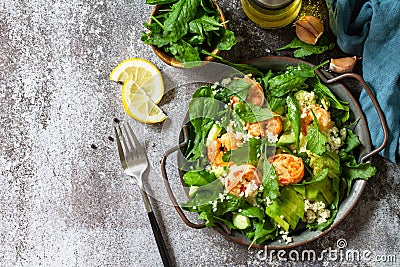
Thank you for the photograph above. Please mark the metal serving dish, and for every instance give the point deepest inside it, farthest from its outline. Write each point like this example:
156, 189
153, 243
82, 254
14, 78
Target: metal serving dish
365, 152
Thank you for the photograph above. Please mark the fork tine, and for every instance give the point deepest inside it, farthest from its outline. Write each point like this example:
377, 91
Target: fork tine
127, 154
133, 149
120, 150
139, 148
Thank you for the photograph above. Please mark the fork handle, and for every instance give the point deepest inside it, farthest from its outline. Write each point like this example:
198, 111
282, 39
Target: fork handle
156, 230
159, 239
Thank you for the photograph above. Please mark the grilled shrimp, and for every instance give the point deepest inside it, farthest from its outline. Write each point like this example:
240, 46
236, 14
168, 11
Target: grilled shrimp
243, 180
289, 169
254, 96
256, 93
215, 151
230, 141
273, 126
323, 117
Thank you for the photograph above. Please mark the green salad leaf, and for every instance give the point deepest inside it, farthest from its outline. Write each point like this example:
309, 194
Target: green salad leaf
294, 118
304, 49
316, 141
249, 112
252, 192
186, 28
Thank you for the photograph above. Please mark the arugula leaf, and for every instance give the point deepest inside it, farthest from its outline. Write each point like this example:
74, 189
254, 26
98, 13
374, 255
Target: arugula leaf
353, 170
294, 118
316, 141
177, 24
249, 112
264, 230
265, 79
351, 141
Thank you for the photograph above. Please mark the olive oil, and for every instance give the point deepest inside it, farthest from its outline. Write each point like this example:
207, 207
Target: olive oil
271, 14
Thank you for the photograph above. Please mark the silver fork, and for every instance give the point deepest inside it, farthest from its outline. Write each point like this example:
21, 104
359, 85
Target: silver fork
134, 162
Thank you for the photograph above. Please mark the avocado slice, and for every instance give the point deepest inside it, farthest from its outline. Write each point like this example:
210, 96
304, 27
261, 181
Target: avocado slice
213, 133
287, 138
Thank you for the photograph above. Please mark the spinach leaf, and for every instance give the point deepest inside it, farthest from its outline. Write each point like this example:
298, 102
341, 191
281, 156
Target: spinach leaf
277, 104
249, 112
227, 39
185, 53
228, 205
198, 178
208, 6
239, 87
247, 153
324, 92
177, 24
316, 141
203, 196
290, 81
243, 68
204, 24
253, 212
294, 117
305, 49
269, 181
202, 112
208, 217
160, 2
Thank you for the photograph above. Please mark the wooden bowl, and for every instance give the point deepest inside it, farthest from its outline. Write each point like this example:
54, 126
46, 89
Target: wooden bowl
168, 58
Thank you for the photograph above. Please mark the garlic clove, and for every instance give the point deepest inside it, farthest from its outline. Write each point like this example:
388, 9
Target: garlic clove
342, 65
309, 29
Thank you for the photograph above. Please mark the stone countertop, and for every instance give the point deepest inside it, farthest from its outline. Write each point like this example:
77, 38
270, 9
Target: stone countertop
64, 200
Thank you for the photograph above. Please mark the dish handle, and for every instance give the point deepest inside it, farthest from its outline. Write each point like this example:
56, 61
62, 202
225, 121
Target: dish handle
374, 102
168, 186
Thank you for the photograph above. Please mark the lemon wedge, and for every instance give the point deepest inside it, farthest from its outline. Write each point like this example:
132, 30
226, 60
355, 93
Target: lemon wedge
138, 105
143, 88
144, 74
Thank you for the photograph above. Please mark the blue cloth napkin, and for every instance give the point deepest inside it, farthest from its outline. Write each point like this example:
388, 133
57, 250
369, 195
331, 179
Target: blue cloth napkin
371, 29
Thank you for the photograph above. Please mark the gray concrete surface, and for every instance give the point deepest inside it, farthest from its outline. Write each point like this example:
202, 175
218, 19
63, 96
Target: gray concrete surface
64, 200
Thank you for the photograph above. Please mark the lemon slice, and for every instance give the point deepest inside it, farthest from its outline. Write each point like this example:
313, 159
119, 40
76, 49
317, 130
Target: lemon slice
144, 74
139, 106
